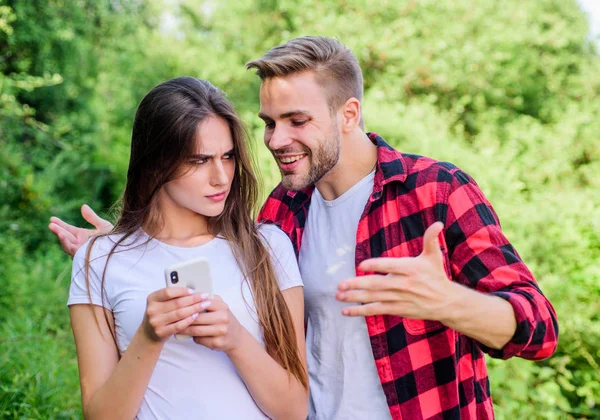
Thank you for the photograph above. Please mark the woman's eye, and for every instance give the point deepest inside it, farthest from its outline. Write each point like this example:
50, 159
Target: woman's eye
299, 123
228, 156
198, 161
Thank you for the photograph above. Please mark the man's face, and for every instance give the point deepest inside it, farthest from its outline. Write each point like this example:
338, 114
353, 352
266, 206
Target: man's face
299, 129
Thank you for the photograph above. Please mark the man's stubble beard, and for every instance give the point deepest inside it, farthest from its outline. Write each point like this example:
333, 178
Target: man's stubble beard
321, 162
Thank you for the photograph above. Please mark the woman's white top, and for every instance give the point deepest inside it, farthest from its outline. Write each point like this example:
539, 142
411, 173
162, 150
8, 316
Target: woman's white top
190, 381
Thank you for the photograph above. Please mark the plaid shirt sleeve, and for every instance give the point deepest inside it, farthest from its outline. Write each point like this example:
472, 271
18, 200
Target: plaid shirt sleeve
482, 258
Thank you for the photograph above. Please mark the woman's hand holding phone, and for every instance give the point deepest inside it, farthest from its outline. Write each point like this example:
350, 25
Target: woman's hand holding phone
169, 311
216, 328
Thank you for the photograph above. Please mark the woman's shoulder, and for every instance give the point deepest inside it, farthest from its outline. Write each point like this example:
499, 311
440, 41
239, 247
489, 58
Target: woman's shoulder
283, 256
273, 235
103, 245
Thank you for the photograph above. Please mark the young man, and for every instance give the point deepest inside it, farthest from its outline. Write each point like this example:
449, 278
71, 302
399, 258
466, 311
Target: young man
398, 316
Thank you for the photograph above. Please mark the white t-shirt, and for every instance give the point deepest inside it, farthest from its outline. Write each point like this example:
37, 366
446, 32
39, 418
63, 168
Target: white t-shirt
189, 381
343, 377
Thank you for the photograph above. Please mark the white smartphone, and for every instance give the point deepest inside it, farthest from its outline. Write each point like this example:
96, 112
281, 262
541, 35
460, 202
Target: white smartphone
193, 274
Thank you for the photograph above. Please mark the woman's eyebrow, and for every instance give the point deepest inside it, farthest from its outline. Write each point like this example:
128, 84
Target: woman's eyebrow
200, 156
208, 156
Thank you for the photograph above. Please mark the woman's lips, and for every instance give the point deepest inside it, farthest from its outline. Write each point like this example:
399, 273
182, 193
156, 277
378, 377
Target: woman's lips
217, 197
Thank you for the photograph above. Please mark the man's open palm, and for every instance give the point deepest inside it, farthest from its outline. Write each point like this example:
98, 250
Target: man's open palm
71, 237
411, 287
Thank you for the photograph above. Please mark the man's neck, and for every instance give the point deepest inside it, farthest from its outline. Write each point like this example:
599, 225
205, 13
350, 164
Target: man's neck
358, 158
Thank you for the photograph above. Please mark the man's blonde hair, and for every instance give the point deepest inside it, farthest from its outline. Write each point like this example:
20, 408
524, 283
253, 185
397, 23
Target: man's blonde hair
336, 68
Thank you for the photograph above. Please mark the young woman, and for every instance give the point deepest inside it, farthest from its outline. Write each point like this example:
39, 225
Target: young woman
191, 192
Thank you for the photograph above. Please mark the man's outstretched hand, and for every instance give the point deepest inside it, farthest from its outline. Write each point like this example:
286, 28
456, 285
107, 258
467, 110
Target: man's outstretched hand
71, 237
411, 287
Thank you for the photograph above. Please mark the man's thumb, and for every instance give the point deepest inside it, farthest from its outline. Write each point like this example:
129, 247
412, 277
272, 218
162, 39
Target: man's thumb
431, 242
91, 217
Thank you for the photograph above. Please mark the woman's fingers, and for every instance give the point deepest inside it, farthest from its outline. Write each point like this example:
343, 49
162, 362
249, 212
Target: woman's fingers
206, 330
177, 314
171, 294
166, 331
210, 318
177, 310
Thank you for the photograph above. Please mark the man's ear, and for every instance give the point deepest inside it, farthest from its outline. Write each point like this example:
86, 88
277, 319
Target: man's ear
350, 113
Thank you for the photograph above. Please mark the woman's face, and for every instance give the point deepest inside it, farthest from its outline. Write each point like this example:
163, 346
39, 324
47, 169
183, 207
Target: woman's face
202, 184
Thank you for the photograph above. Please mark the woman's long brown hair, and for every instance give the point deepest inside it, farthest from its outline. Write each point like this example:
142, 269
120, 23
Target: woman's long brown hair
163, 139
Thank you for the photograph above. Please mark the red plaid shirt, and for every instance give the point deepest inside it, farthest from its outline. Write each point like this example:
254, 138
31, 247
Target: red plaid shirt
429, 371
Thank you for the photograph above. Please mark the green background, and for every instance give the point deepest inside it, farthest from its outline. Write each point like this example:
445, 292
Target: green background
508, 91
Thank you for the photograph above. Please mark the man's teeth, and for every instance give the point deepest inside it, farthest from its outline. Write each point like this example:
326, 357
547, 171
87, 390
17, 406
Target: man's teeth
291, 159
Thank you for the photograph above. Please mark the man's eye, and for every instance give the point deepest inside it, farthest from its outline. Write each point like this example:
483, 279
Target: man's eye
298, 123
270, 125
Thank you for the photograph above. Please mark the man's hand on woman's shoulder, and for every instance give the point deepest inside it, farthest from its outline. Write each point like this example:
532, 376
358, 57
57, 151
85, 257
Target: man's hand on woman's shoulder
71, 237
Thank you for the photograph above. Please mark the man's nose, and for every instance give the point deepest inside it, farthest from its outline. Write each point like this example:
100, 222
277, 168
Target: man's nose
279, 138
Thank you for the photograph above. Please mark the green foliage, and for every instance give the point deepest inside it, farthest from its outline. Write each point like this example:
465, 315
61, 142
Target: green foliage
508, 92
38, 374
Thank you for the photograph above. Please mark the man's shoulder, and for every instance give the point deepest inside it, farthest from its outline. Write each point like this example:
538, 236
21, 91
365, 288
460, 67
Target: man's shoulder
396, 165
281, 193
282, 203
277, 205
433, 181
422, 169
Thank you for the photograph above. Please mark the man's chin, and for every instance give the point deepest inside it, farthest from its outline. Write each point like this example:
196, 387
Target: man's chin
294, 182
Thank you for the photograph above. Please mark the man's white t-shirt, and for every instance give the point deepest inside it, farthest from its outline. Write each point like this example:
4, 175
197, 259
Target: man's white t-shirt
190, 381
343, 377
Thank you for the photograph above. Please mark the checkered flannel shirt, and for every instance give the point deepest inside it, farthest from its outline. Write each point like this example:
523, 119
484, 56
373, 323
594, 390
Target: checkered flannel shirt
429, 371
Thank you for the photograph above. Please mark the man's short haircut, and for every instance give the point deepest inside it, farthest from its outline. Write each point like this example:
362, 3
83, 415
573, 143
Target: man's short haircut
336, 68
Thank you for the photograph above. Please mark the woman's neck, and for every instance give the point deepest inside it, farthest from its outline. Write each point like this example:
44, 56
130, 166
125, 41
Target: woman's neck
180, 226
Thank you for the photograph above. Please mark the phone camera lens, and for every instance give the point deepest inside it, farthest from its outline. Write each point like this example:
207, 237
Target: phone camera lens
174, 277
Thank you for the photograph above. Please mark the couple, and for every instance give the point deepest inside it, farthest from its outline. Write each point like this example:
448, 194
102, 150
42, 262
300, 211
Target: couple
395, 263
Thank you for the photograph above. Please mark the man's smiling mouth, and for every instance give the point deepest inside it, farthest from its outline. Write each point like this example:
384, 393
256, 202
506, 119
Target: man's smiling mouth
291, 159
